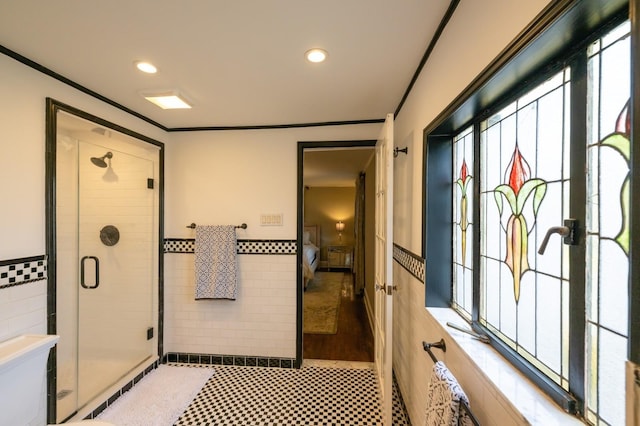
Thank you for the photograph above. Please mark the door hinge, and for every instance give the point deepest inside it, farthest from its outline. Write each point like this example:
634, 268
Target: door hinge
150, 183
390, 289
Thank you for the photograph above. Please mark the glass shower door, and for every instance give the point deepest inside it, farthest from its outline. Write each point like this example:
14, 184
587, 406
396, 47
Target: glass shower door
104, 260
116, 257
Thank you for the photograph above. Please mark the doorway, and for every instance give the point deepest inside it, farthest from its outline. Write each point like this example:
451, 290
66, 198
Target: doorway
341, 289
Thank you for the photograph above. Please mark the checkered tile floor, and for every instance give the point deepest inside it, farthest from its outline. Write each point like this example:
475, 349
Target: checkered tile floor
237, 396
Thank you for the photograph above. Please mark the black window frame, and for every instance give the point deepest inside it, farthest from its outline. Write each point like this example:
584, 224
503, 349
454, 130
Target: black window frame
557, 38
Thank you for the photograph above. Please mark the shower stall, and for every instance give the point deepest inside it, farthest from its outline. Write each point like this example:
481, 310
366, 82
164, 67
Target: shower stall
104, 259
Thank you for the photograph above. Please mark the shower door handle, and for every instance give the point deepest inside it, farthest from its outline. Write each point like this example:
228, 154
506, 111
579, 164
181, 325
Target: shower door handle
97, 270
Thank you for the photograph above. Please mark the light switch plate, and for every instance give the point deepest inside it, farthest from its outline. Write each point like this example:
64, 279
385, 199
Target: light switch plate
271, 219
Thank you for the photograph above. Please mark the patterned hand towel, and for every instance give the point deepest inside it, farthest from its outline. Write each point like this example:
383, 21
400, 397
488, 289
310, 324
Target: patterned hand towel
443, 399
215, 262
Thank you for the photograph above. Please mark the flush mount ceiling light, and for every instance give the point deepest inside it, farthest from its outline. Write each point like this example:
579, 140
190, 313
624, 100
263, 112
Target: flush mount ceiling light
316, 55
146, 67
168, 100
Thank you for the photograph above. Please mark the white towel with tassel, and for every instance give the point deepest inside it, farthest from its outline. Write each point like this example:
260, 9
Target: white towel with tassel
216, 265
444, 398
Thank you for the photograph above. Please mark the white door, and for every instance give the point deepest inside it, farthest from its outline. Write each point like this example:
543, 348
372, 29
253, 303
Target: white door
383, 329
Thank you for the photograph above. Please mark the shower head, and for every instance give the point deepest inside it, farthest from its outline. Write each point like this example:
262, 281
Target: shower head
99, 161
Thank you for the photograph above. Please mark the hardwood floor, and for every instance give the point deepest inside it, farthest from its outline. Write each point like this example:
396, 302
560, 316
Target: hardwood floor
353, 341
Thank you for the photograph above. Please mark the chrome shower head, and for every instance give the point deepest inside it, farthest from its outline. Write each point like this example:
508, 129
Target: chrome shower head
99, 161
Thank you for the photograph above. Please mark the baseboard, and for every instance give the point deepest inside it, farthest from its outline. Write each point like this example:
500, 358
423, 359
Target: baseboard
335, 269
214, 359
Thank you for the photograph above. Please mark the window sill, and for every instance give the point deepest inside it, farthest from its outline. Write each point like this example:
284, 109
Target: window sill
505, 382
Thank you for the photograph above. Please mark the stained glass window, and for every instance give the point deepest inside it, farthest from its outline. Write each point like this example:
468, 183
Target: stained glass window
524, 190
521, 188
463, 205
607, 268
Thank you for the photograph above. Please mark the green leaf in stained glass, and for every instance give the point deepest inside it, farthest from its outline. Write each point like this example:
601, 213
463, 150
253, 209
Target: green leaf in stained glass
538, 196
623, 236
498, 197
509, 194
537, 185
620, 143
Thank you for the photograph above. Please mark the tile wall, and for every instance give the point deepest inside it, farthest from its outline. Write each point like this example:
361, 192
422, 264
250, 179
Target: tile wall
261, 322
23, 296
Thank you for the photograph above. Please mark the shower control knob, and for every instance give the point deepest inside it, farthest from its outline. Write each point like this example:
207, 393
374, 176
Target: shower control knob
109, 235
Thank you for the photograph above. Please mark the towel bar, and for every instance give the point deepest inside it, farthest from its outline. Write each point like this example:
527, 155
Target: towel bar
243, 226
441, 345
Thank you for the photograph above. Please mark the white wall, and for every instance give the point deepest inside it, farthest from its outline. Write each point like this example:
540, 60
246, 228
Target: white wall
477, 32
22, 177
231, 177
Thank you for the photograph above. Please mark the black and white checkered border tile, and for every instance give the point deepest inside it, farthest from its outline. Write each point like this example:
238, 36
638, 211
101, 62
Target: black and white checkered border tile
238, 360
22, 271
409, 261
182, 245
179, 245
113, 398
266, 247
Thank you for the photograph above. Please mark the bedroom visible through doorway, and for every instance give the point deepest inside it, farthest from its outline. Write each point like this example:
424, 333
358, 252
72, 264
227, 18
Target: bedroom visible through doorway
337, 212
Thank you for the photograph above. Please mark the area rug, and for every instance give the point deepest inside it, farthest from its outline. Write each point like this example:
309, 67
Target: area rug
322, 303
159, 398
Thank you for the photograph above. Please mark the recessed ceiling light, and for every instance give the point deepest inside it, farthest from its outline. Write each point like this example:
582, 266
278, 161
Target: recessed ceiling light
147, 67
167, 100
316, 55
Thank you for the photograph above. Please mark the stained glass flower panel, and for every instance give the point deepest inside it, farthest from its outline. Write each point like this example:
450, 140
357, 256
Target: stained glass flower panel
529, 196
462, 219
607, 262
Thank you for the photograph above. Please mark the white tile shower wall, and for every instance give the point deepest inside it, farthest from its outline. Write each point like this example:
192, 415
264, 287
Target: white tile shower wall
125, 282
23, 309
260, 322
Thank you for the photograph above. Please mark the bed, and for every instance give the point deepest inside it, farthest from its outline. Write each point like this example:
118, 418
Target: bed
310, 253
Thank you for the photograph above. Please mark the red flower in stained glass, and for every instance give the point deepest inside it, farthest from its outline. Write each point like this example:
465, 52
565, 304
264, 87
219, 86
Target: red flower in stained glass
519, 171
516, 190
464, 180
464, 172
623, 123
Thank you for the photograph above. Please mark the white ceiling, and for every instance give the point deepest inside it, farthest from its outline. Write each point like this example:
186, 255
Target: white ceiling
240, 62
335, 167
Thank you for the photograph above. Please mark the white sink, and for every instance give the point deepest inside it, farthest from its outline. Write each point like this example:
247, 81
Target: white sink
23, 379
14, 350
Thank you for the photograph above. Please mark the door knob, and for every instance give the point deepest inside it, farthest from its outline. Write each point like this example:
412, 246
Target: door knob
569, 231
